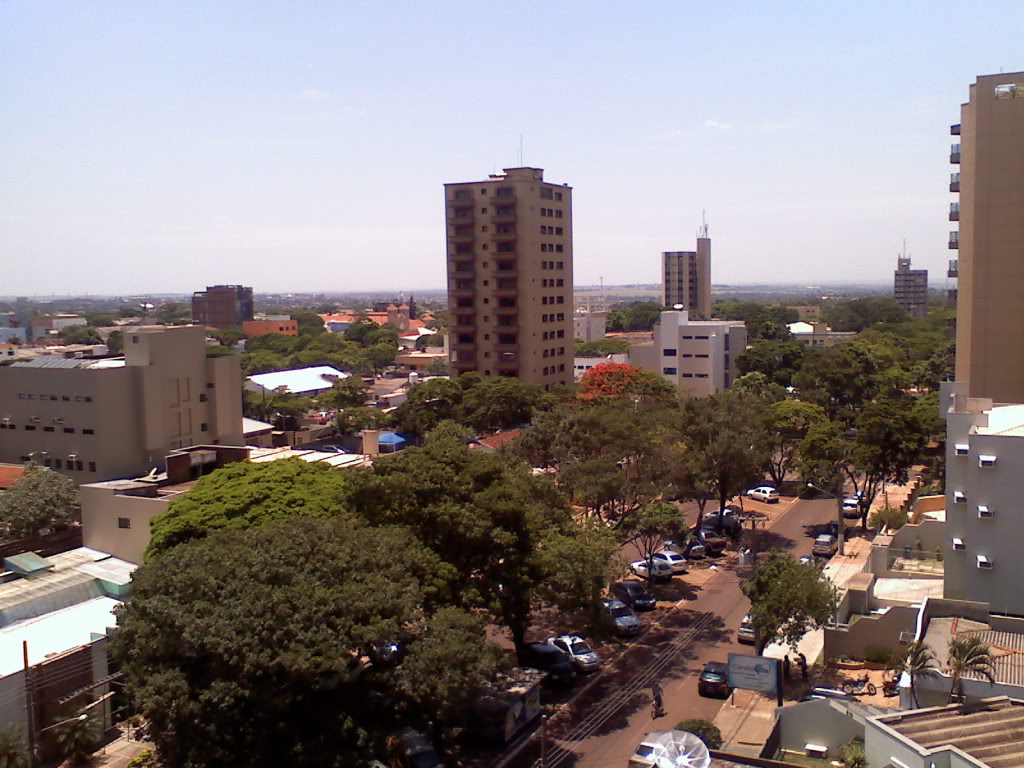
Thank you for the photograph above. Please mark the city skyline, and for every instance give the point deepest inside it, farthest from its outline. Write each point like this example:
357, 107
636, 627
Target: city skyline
146, 152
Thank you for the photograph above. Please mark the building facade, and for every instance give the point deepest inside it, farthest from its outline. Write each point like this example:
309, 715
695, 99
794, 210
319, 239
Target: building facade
509, 255
910, 288
990, 239
589, 324
222, 306
686, 278
99, 419
698, 356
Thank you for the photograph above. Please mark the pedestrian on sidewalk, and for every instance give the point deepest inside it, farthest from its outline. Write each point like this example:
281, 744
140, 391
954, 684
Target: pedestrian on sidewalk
786, 669
656, 694
802, 661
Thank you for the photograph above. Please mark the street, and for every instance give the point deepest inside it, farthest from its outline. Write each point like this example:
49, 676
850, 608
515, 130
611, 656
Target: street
608, 721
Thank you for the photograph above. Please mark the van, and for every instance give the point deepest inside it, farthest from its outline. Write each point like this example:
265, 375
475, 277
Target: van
746, 632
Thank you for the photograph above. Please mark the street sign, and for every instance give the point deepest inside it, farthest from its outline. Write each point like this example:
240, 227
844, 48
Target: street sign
753, 673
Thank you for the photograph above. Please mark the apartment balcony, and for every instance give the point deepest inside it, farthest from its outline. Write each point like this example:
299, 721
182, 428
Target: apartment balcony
506, 271
462, 293
954, 182
954, 153
464, 348
507, 292
504, 237
507, 328
504, 196
507, 357
954, 130
954, 240
954, 268
462, 274
505, 216
463, 236
506, 311
461, 219
954, 211
464, 323
461, 366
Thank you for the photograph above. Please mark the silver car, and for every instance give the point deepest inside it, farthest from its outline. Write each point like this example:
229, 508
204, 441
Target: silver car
620, 617
578, 650
675, 561
658, 569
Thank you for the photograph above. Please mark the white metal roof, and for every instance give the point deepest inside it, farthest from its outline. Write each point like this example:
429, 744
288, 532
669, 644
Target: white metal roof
314, 379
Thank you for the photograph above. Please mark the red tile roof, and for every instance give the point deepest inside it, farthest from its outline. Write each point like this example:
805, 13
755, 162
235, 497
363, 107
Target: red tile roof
9, 475
494, 442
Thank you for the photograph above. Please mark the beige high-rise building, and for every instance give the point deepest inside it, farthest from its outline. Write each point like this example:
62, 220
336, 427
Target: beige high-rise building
990, 240
119, 417
910, 288
686, 277
510, 298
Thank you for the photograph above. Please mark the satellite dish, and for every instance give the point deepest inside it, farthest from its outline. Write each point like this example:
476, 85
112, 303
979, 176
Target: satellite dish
675, 749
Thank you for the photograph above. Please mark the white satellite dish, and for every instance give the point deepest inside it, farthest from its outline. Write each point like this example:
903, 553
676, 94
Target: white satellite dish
672, 749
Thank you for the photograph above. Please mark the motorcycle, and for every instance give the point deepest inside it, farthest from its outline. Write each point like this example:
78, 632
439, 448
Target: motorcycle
859, 686
891, 685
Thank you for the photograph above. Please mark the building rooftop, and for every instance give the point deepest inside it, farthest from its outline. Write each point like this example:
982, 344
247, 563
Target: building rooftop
56, 361
252, 426
991, 730
1002, 420
313, 379
1007, 648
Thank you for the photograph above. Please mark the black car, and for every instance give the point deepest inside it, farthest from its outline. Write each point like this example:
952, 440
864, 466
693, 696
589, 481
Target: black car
634, 594
549, 659
727, 525
409, 748
714, 680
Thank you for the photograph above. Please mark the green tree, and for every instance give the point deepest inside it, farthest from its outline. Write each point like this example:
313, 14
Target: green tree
41, 499
499, 403
852, 754
705, 730
427, 405
579, 561
230, 336
841, 379
858, 314
787, 600
243, 494
430, 340
438, 367
380, 356
100, 319
917, 660
634, 316
788, 424
350, 392
649, 526
13, 750
77, 738
601, 347
245, 648
80, 334
778, 360
173, 313
968, 657
758, 384
115, 343
309, 323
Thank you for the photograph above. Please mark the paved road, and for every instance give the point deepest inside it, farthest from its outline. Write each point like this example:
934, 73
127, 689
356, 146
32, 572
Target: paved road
611, 718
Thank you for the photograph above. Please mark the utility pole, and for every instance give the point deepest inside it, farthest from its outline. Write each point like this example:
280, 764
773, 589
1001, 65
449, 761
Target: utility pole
29, 707
544, 741
839, 514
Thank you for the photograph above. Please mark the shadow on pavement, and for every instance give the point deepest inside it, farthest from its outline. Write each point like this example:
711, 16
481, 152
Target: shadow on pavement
766, 541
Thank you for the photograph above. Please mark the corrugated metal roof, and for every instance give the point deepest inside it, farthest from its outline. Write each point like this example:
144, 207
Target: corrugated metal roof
313, 379
52, 361
1007, 648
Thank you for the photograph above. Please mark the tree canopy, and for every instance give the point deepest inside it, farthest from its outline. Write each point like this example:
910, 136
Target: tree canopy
41, 499
612, 381
634, 316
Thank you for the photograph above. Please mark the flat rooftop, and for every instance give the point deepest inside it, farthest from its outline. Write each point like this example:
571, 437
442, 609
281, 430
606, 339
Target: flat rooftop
55, 633
991, 731
1007, 648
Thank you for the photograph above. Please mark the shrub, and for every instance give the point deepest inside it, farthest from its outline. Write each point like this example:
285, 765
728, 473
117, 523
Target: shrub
878, 656
852, 753
704, 730
888, 517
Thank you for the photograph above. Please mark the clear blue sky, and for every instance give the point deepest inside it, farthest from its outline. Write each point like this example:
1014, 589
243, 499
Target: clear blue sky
163, 146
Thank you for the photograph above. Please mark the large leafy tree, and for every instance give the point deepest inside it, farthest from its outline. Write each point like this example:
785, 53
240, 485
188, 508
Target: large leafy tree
614, 381
788, 424
41, 499
428, 404
350, 392
648, 528
244, 494
500, 403
968, 656
779, 360
245, 648
787, 600
844, 378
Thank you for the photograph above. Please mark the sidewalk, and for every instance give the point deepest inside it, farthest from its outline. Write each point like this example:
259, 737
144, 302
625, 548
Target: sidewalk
747, 724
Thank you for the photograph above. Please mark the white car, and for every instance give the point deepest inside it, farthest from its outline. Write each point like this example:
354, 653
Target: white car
675, 561
764, 493
578, 651
659, 569
851, 508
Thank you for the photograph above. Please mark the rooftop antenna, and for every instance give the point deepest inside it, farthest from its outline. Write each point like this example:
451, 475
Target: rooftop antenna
602, 291
703, 231
520, 150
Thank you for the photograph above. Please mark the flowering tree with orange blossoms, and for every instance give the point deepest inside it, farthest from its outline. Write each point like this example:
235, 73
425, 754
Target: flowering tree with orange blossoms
613, 381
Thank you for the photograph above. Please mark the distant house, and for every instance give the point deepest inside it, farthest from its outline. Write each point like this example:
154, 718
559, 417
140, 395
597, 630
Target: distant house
494, 443
817, 334
303, 382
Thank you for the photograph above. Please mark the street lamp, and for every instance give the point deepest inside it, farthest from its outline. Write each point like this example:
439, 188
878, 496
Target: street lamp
839, 511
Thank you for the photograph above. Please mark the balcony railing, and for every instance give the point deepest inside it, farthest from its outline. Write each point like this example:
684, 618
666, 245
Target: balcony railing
954, 153
504, 216
463, 236
954, 240
954, 211
954, 182
954, 268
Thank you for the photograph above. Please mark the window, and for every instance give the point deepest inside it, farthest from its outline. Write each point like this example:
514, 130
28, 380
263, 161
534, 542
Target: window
561, 367
561, 334
985, 511
668, 352
69, 430
92, 466
561, 316
546, 193
88, 432
700, 375
544, 247
543, 299
56, 463
958, 543
669, 371
558, 230
124, 522
560, 282
47, 429
558, 248
558, 195
561, 300
29, 428
78, 466
558, 213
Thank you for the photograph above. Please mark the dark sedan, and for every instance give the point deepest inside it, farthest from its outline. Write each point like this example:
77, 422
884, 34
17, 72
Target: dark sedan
714, 680
634, 594
549, 659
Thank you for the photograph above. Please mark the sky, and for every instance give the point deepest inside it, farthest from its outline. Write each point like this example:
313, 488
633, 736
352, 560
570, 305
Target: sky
159, 147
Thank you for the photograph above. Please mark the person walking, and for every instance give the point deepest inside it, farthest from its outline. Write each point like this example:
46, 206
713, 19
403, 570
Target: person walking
658, 708
786, 669
802, 661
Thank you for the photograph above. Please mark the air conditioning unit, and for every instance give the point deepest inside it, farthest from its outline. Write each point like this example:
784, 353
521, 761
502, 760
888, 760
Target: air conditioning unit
72, 457
958, 543
984, 562
962, 449
985, 460
959, 497
985, 511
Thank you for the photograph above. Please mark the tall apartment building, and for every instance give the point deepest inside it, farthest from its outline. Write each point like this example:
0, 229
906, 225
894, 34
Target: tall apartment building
990, 240
119, 417
698, 356
510, 294
686, 277
910, 288
222, 306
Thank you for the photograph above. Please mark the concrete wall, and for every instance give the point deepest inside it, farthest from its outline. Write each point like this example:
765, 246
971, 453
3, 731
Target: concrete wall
924, 539
816, 722
103, 511
871, 632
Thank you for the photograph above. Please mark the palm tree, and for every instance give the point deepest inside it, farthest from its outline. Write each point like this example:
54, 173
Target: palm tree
77, 738
917, 660
13, 752
968, 656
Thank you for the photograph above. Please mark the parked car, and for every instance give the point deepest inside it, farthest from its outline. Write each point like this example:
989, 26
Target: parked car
578, 651
825, 545
746, 633
828, 693
695, 549
634, 594
408, 748
727, 524
675, 561
620, 618
656, 570
764, 493
851, 508
549, 659
387, 654
714, 680
807, 560
713, 542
